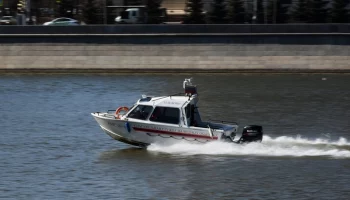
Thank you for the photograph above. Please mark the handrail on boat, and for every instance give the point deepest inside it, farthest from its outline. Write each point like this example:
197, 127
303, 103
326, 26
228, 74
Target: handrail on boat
162, 97
180, 93
223, 122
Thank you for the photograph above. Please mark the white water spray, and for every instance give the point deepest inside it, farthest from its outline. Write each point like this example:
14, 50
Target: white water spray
280, 146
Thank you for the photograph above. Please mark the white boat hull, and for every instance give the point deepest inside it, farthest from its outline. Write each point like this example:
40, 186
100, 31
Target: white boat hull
141, 134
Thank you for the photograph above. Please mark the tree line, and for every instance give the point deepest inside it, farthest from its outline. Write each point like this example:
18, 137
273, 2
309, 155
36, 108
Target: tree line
92, 11
229, 11
273, 12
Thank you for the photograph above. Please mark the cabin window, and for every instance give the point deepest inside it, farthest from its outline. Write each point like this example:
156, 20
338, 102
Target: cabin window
166, 115
133, 13
141, 112
124, 15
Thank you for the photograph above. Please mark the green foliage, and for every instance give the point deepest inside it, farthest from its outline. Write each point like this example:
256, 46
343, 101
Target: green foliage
301, 11
276, 12
194, 10
218, 13
236, 12
260, 17
92, 11
110, 16
318, 11
339, 13
12, 5
154, 12
64, 8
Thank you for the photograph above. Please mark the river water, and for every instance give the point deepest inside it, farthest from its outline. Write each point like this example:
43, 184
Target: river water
51, 147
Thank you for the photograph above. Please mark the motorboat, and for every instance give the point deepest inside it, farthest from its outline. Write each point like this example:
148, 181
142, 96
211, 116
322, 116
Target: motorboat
170, 119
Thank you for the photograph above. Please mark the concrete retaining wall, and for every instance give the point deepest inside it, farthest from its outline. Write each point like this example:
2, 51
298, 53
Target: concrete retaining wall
178, 29
175, 52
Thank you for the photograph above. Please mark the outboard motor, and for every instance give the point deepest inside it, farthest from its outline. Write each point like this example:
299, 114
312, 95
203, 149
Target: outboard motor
251, 133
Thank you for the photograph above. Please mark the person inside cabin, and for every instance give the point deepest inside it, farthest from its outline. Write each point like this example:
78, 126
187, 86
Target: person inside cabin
156, 114
141, 112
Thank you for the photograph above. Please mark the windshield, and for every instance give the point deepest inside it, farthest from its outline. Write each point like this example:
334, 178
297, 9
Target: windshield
140, 112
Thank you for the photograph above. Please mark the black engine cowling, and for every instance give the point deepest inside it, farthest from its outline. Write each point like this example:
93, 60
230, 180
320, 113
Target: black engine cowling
251, 133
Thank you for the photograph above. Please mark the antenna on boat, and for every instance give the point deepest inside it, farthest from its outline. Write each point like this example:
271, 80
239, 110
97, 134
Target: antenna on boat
190, 89
187, 81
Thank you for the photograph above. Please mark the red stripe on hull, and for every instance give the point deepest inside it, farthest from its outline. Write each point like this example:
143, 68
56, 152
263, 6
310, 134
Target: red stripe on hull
175, 133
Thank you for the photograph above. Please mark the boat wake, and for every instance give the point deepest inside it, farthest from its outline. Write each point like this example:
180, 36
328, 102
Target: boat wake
280, 146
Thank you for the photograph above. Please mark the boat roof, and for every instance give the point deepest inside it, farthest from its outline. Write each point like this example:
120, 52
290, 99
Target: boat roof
166, 101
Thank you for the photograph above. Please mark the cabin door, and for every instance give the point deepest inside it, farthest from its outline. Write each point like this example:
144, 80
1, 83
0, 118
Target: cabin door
190, 114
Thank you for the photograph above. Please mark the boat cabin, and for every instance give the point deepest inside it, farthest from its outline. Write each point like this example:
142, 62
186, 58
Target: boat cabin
171, 110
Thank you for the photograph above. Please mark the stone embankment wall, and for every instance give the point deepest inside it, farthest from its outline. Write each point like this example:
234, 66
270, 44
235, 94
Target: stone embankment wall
185, 50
